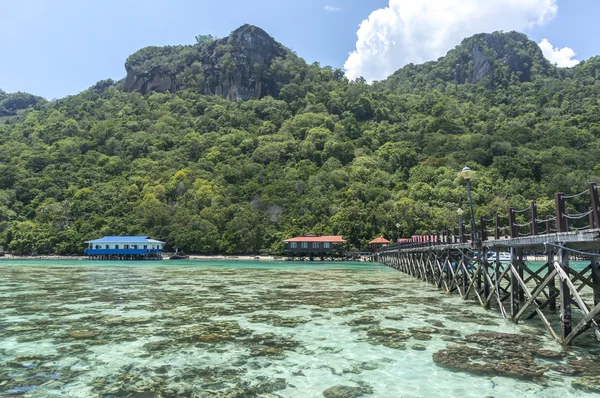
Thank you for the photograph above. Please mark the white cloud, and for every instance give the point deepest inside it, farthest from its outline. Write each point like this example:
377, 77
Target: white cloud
417, 31
329, 8
563, 57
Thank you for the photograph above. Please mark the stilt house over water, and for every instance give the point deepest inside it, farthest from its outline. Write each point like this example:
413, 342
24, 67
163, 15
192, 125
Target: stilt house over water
312, 245
124, 248
377, 243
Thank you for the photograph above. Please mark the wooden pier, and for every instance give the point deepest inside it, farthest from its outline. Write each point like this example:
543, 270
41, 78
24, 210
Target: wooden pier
565, 300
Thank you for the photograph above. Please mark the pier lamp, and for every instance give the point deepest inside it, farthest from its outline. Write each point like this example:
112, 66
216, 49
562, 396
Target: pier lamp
460, 213
467, 173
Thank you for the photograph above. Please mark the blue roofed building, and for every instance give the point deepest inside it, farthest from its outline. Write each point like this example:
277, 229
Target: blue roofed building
124, 248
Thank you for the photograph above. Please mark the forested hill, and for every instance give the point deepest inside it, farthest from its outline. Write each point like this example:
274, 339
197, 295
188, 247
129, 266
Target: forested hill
14, 103
320, 154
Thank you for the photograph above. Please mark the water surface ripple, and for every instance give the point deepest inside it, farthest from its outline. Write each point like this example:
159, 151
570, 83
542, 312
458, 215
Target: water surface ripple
225, 329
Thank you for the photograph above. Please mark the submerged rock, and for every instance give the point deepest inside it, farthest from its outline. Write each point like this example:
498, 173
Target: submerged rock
364, 320
82, 334
422, 336
263, 351
395, 317
497, 354
388, 337
587, 383
346, 392
585, 367
158, 345
424, 330
277, 320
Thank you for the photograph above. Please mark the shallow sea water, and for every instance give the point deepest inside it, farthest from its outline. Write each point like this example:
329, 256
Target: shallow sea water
235, 329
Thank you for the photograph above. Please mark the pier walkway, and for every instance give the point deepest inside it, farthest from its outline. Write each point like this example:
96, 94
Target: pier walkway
564, 299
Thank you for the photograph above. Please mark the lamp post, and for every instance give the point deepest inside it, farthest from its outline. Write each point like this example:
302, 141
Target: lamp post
467, 173
397, 231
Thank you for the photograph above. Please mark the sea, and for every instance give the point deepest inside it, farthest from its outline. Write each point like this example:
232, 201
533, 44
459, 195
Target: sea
80, 328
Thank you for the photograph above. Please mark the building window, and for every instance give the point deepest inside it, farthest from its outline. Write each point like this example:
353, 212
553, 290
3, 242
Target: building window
305, 245
107, 247
145, 246
326, 245
293, 245
116, 246
125, 246
134, 246
315, 245
97, 246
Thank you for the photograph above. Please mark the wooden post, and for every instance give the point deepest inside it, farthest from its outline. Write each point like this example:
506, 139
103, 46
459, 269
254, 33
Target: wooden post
596, 279
514, 231
552, 283
478, 263
514, 285
548, 229
497, 229
565, 296
465, 281
534, 230
462, 232
595, 206
561, 220
497, 280
519, 267
484, 233
486, 282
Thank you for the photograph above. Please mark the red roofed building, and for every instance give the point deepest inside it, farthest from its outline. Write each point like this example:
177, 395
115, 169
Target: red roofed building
314, 244
378, 242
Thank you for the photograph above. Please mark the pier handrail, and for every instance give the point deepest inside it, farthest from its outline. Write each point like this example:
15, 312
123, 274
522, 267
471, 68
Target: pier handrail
562, 221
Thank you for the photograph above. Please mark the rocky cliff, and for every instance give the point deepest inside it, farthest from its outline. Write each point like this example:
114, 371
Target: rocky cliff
236, 67
492, 59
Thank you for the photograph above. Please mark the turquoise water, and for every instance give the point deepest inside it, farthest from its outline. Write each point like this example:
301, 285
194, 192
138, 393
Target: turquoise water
235, 329
576, 265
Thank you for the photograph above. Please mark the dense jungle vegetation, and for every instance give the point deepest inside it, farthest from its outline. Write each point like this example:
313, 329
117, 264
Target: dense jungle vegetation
326, 156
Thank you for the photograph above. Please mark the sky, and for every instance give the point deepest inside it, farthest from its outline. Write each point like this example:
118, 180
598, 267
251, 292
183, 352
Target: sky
56, 48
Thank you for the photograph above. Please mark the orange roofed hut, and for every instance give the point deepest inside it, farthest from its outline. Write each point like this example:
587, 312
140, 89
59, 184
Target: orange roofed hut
312, 244
377, 243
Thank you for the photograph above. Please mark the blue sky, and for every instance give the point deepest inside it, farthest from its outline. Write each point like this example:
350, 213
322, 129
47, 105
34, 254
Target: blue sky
61, 47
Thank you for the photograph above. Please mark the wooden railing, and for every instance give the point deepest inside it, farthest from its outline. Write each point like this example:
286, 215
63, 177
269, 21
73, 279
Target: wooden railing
508, 227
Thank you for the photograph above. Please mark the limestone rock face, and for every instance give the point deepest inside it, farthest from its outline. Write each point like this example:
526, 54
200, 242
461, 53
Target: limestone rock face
234, 67
152, 81
481, 66
253, 50
502, 48
492, 59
